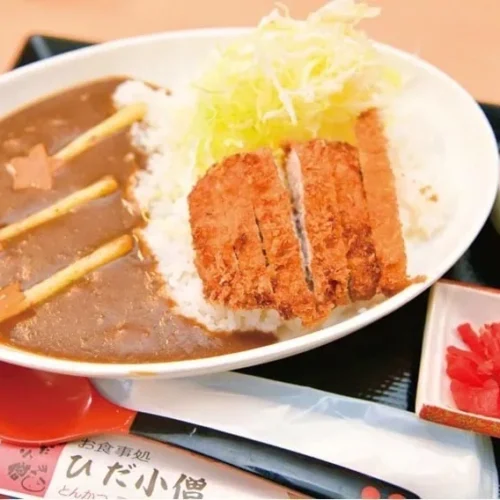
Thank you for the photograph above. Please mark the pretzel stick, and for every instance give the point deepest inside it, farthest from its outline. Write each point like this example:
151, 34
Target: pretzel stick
97, 190
64, 278
121, 119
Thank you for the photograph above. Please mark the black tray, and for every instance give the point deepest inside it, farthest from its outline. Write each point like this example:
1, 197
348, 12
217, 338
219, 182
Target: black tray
380, 362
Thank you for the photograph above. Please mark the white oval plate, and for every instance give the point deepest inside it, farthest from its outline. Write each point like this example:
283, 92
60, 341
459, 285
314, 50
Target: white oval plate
463, 135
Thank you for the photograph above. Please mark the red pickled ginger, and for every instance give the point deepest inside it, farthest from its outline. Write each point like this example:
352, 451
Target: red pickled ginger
475, 371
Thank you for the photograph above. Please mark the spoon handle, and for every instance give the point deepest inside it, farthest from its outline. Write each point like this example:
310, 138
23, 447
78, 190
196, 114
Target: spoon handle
313, 477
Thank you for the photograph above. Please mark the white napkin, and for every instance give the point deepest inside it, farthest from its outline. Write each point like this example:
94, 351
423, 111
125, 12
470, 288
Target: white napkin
432, 460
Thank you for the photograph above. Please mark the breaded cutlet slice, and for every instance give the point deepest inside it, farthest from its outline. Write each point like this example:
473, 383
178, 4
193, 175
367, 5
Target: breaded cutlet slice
312, 180
380, 189
274, 214
214, 256
226, 240
360, 249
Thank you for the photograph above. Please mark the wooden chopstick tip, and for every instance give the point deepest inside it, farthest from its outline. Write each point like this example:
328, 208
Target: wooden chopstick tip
36, 169
123, 118
14, 301
99, 189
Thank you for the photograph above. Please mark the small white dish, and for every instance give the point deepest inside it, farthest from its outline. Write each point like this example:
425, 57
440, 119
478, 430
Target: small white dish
450, 305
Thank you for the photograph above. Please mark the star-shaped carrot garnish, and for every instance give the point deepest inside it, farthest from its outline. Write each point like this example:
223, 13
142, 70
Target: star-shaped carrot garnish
33, 171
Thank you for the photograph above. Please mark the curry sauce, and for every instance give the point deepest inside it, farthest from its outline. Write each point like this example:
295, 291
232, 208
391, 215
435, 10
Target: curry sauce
117, 313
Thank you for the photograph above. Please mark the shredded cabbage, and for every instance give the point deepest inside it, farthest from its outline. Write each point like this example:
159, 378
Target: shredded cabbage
287, 79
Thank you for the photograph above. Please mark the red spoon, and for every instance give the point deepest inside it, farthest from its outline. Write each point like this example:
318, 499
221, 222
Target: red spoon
46, 408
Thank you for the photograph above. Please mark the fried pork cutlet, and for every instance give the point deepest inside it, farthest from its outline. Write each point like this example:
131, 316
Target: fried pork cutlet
226, 237
380, 189
360, 250
247, 253
311, 173
274, 214
327, 235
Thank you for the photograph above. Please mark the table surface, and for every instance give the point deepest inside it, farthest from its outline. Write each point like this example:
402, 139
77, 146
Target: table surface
456, 35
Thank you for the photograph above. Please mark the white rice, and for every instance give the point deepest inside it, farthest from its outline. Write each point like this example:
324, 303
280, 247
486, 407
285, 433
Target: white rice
163, 188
